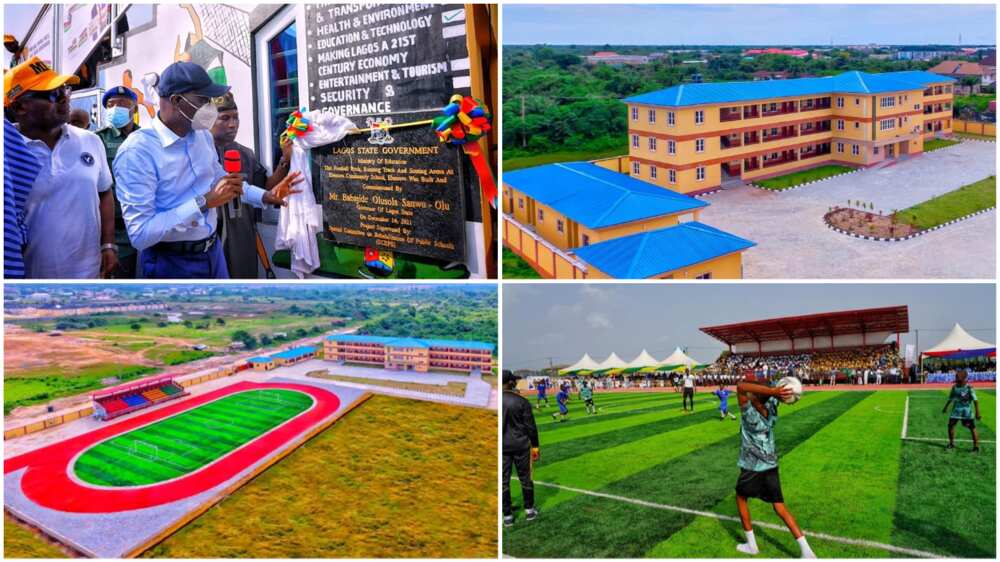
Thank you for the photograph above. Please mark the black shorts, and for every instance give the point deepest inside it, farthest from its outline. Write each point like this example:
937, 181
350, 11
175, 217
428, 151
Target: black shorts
589, 402
764, 485
969, 423
688, 391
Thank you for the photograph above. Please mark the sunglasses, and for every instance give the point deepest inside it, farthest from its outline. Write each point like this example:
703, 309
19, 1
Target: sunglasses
51, 96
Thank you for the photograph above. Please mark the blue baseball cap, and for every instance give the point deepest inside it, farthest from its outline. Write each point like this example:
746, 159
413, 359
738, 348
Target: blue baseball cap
184, 77
119, 92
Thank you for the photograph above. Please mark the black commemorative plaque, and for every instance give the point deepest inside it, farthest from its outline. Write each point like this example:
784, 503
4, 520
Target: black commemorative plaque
397, 189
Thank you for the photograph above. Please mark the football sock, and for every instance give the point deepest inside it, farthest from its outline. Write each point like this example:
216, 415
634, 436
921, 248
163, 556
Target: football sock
804, 545
749, 547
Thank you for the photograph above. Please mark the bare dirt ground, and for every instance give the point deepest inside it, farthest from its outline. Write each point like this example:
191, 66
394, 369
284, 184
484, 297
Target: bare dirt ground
26, 350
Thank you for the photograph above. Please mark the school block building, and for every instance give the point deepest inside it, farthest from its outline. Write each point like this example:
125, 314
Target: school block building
693, 138
581, 220
410, 354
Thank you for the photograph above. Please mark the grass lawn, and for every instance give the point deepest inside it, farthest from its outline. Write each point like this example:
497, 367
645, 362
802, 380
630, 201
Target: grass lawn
964, 200
795, 178
511, 164
451, 389
935, 144
844, 472
174, 355
395, 477
516, 268
20, 542
41, 385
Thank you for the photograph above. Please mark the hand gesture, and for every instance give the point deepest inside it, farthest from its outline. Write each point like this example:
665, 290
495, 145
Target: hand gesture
229, 187
279, 194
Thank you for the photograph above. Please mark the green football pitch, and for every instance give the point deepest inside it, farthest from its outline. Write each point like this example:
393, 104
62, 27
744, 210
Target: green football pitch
644, 479
185, 442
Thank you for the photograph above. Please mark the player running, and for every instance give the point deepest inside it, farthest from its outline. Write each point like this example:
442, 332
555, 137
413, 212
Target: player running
758, 461
723, 395
562, 397
541, 386
587, 395
964, 397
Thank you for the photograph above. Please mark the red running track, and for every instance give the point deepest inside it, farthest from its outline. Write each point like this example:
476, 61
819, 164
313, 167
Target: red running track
48, 484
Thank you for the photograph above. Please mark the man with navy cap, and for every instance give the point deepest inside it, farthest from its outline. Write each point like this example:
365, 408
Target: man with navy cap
120, 105
170, 182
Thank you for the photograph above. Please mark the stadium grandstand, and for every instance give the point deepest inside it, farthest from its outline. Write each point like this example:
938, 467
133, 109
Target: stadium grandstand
843, 346
123, 399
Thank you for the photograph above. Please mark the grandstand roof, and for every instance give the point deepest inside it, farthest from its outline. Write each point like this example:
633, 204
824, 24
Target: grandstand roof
148, 381
853, 82
411, 342
893, 319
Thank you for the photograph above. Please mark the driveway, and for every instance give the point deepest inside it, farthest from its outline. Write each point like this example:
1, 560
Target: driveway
793, 242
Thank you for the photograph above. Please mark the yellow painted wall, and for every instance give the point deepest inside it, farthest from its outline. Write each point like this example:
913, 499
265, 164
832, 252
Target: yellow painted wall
547, 226
724, 267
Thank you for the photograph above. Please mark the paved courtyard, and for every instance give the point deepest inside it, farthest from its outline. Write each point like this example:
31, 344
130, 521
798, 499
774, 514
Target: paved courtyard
793, 242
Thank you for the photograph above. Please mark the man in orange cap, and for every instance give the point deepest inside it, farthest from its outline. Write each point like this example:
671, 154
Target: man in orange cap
69, 214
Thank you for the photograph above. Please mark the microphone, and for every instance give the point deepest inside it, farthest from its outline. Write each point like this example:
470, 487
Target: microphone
232, 164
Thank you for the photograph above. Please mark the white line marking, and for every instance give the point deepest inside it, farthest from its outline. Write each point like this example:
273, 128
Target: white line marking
906, 416
942, 439
855, 542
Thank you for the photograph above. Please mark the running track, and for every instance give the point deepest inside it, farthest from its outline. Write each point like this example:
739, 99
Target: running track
47, 481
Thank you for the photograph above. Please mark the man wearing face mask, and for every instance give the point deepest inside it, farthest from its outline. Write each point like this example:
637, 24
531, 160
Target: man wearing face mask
120, 108
171, 184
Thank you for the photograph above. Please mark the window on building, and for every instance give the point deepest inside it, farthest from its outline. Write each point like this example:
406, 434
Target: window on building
670, 118
888, 101
586, 240
887, 124
699, 145
840, 147
699, 117
635, 113
559, 225
635, 141
652, 116
541, 215
520, 203
283, 80
672, 176
652, 144
857, 125
671, 147
857, 101
840, 102
652, 172
855, 150
699, 173
704, 276
875, 150
635, 168
840, 124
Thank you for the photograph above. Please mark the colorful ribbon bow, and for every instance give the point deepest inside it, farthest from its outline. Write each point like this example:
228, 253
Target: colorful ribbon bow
462, 122
296, 126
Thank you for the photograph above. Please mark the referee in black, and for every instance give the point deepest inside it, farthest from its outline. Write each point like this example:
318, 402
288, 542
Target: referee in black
520, 448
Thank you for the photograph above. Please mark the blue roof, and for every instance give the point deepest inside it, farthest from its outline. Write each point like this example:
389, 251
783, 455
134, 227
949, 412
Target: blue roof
853, 82
260, 359
411, 342
643, 255
295, 352
597, 197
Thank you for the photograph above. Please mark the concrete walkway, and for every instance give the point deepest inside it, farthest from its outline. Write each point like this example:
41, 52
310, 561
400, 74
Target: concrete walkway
793, 242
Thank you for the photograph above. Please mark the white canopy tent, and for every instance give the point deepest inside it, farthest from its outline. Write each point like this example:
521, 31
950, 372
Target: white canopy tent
679, 358
584, 364
642, 361
611, 363
958, 344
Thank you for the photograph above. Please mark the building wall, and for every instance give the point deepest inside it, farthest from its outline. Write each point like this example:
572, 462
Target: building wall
419, 359
729, 266
860, 116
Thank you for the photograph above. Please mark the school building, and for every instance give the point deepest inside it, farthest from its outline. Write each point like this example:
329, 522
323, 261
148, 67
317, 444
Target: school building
581, 220
410, 354
694, 138
282, 358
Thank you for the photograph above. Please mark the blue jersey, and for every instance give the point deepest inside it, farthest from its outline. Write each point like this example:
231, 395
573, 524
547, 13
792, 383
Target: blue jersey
562, 397
723, 396
541, 389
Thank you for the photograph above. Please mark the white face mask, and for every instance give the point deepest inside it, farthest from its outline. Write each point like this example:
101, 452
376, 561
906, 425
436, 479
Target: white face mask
204, 117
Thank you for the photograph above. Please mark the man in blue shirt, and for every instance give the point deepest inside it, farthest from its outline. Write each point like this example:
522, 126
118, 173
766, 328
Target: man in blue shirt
170, 182
19, 171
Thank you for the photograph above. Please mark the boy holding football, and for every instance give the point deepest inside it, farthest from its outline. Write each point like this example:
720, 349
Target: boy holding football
964, 398
758, 461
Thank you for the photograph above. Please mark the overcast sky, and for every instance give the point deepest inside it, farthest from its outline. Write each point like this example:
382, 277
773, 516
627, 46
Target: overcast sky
748, 24
564, 321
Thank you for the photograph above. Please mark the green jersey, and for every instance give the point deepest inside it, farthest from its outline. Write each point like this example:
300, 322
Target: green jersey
757, 451
963, 397
586, 393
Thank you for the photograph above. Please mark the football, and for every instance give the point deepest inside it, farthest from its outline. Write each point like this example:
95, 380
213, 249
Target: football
796, 386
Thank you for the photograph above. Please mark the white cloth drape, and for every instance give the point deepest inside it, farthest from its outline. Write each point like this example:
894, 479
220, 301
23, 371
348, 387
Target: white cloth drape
302, 218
